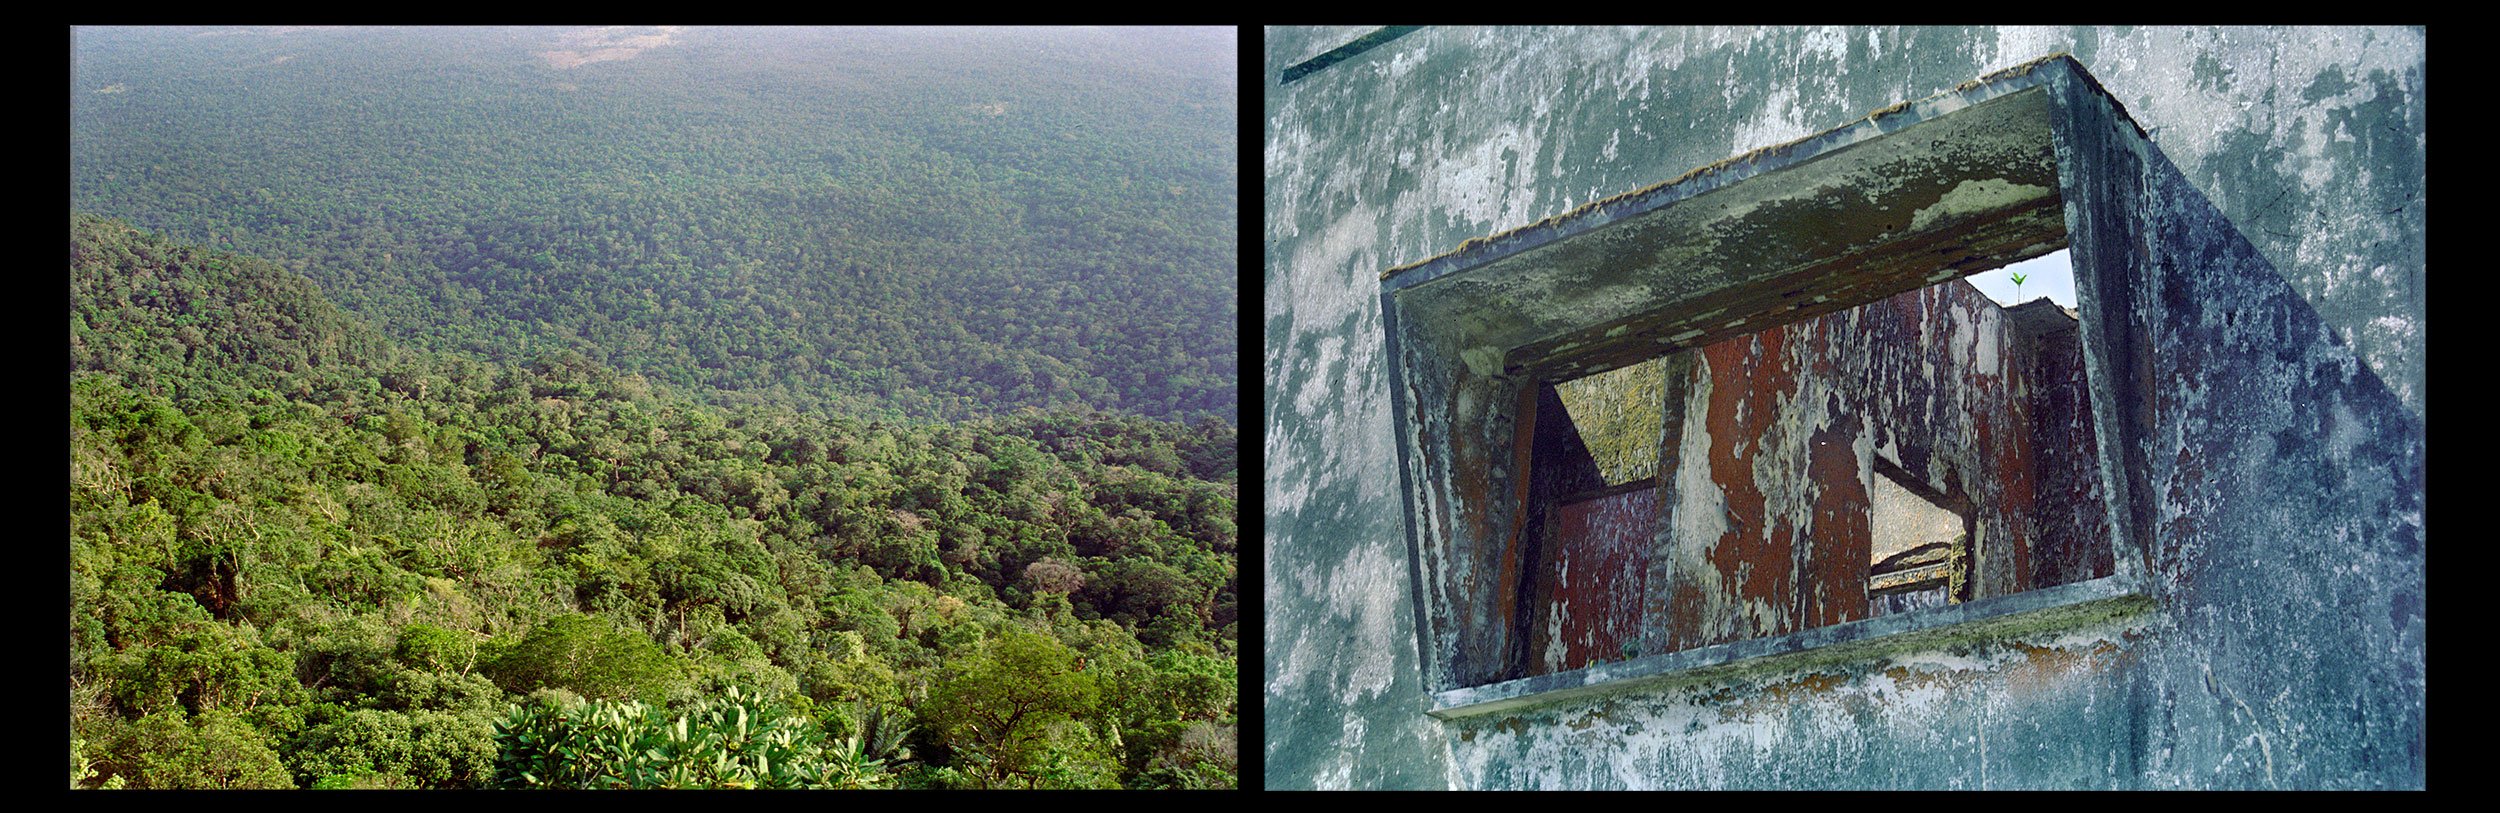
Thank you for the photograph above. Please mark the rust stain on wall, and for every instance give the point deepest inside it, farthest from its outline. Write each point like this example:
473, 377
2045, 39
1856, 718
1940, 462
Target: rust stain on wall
1836, 556
2046, 668
1592, 587
1755, 569
1733, 704
1988, 408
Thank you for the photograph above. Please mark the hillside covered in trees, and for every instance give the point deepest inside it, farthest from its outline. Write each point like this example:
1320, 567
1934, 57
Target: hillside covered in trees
576, 409
346, 563
918, 223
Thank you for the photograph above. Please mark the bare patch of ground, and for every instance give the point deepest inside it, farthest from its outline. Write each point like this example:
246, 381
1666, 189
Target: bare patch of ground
274, 30
578, 48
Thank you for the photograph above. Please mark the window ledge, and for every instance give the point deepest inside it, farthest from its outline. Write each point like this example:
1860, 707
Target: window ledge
2048, 608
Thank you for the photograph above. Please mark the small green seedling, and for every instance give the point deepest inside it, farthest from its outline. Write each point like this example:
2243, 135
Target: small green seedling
2018, 285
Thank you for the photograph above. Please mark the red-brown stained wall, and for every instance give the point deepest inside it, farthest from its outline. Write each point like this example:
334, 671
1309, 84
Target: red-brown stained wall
1993, 417
1593, 581
1751, 591
1833, 562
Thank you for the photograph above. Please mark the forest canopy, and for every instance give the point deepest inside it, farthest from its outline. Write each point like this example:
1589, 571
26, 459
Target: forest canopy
916, 223
349, 562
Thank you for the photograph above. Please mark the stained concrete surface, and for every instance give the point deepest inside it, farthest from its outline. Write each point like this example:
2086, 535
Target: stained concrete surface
2283, 457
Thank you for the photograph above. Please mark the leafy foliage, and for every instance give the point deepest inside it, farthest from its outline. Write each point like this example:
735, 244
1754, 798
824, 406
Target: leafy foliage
731, 741
1204, 758
379, 748
587, 656
434, 649
1013, 712
170, 749
82, 770
348, 573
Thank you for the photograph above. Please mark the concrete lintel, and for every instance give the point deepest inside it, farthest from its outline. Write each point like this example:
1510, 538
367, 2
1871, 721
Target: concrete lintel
1851, 216
1597, 214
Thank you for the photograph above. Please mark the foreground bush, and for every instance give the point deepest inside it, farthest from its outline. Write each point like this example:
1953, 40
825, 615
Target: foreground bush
737, 740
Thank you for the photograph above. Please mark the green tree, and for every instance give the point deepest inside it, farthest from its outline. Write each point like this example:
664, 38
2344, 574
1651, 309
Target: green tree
435, 649
587, 655
81, 769
214, 750
1001, 711
198, 671
1202, 758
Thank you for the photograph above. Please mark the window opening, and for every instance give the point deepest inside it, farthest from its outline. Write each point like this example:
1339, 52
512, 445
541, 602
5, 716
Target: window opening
1922, 543
1789, 508
1737, 418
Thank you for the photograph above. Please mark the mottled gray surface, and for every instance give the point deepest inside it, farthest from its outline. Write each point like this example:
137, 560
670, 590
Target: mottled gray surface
2284, 467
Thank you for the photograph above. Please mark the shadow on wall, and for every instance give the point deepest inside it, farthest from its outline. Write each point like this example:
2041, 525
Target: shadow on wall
2286, 483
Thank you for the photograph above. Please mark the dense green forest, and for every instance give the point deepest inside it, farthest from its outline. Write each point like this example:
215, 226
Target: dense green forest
652, 408
931, 223
349, 563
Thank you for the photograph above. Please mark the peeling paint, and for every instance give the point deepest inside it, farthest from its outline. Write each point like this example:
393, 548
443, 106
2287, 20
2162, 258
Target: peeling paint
1972, 197
2281, 328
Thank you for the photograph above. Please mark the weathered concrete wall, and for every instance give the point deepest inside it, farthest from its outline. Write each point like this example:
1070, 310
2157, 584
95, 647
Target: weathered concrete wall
2282, 407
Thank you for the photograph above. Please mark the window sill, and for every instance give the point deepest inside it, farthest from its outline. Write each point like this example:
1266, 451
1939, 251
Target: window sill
2048, 608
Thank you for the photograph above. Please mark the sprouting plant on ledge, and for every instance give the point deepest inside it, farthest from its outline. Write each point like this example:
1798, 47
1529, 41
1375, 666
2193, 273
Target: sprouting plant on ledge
2018, 285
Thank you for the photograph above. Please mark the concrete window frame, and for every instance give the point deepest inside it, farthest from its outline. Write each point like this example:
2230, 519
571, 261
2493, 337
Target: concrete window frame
2028, 160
